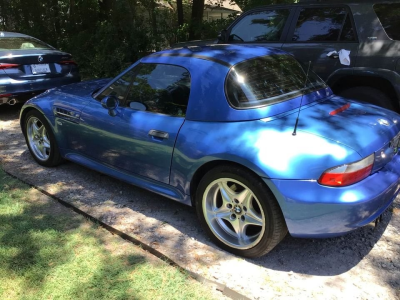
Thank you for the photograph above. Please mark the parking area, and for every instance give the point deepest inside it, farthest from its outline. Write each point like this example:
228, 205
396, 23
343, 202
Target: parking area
362, 265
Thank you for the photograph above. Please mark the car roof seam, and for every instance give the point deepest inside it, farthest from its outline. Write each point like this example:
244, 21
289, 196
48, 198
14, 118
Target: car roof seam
216, 60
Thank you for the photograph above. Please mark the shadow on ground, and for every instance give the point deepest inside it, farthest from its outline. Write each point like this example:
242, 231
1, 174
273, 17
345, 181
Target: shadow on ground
8, 112
325, 257
43, 244
305, 256
48, 251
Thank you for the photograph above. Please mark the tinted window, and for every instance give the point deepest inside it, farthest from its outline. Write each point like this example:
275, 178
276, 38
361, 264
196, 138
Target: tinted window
389, 15
267, 80
21, 43
319, 24
120, 87
262, 26
347, 31
161, 88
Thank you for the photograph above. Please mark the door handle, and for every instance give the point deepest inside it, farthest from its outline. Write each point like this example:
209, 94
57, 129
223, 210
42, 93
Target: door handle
159, 134
333, 54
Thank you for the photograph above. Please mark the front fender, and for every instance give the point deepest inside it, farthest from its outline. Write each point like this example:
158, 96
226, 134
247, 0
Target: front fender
267, 148
30, 105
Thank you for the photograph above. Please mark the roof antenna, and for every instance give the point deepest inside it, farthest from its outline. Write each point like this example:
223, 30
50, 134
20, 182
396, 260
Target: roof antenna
301, 101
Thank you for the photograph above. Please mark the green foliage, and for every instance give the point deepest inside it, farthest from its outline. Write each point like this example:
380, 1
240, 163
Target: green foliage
248, 4
106, 36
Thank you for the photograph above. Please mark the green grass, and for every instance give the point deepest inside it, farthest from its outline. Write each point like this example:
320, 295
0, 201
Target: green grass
49, 252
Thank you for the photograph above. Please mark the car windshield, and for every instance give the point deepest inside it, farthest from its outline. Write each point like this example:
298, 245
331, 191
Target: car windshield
268, 80
21, 43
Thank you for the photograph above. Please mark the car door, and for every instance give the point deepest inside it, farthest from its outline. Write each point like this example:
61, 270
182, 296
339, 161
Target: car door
317, 31
265, 26
140, 137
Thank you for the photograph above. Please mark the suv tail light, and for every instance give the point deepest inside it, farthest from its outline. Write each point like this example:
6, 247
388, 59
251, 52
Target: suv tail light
8, 66
349, 173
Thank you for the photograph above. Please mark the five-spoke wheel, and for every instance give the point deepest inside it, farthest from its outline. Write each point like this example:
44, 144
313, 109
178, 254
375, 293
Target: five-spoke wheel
40, 139
233, 213
239, 212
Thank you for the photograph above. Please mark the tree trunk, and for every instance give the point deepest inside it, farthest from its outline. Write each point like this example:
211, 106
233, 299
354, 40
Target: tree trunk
179, 7
197, 18
72, 15
56, 15
105, 7
153, 16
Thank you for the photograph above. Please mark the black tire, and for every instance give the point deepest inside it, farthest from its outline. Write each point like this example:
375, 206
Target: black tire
275, 227
52, 155
369, 95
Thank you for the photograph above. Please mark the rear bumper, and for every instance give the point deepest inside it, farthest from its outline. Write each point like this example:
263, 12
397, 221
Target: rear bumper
315, 211
22, 90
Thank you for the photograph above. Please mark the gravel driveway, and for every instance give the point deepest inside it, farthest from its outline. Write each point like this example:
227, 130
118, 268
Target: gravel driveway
362, 265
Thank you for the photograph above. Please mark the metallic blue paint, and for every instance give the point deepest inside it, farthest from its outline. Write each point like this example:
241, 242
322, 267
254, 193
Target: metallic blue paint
259, 139
141, 181
312, 210
124, 142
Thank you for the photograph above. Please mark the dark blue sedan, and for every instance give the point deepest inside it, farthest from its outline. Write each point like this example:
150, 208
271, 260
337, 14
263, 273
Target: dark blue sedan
215, 127
29, 66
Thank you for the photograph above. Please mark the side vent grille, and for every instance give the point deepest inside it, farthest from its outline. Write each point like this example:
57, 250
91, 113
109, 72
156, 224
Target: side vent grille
66, 114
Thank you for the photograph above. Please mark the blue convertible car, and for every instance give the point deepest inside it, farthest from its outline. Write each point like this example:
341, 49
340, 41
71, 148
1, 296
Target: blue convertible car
243, 133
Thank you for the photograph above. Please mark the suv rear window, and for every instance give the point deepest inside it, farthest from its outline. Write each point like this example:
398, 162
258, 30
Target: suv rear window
260, 26
267, 80
21, 43
389, 15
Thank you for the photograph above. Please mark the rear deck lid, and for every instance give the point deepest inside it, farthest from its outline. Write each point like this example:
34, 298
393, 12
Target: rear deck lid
363, 127
27, 58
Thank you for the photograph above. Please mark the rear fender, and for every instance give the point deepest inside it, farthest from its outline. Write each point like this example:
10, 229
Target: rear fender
268, 149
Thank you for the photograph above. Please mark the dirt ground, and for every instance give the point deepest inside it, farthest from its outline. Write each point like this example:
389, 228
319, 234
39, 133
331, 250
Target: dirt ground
364, 264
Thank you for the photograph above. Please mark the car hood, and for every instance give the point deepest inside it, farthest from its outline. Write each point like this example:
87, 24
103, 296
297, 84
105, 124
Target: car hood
363, 127
83, 88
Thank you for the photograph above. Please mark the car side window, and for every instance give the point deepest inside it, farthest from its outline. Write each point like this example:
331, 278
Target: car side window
260, 26
347, 34
322, 24
119, 88
160, 88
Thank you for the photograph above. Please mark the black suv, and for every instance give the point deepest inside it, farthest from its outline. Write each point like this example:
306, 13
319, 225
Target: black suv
310, 30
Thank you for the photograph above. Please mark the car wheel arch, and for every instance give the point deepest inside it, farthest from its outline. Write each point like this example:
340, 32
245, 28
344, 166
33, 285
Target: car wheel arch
31, 108
269, 208
23, 114
28, 109
203, 169
53, 154
342, 82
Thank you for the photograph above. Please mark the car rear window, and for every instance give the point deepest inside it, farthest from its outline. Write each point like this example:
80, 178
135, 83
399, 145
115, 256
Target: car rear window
268, 80
389, 15
21, 43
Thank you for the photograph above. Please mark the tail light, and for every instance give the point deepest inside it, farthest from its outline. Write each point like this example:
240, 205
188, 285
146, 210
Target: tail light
349, 173
8, 66
68, 62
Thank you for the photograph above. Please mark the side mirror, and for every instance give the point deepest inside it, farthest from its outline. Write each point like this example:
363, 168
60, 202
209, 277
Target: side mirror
223, 36
110, 103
